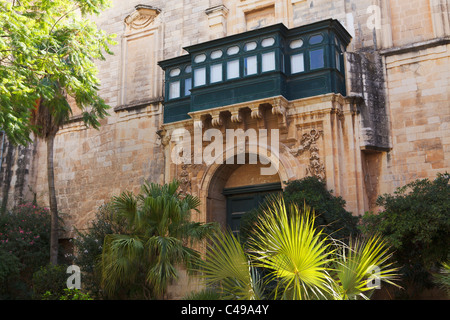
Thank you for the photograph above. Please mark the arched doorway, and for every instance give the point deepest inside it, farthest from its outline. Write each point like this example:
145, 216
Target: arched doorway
236, 189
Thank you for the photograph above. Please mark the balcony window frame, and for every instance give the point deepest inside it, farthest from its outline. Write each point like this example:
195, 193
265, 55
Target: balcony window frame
306, 49
277, 80
315, 47
182, 76
338, 53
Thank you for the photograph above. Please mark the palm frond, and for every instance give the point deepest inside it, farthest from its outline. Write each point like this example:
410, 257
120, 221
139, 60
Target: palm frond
227, 265
286, 242
362, 261
166, 253
126, 206
119, 267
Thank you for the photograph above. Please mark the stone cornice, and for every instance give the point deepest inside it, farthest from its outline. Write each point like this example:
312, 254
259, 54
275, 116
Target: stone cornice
416, 46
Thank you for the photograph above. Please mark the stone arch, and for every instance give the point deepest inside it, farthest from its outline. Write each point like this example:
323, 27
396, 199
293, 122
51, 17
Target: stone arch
216, 177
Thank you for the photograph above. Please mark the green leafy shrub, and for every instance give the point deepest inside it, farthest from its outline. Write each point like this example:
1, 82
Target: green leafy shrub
88, 247
9, 269
160, 237
329, 209
69, 294
416, 222
24, 248
49, 282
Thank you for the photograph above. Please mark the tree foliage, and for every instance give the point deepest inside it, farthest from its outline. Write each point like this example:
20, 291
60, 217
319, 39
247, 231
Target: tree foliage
47, 53
24, 242
416, 222
88, 247
329, 209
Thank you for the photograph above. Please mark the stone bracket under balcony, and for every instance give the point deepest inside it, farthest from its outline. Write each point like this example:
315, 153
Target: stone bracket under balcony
219, 117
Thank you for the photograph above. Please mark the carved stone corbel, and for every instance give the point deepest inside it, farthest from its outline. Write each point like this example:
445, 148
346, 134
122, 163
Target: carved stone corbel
279, 108
236, 116
256, 112
216, 120
199, 123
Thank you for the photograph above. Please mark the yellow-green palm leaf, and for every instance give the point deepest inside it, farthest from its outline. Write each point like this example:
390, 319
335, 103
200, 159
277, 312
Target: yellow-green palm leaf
227, 265
287, 243
361, 266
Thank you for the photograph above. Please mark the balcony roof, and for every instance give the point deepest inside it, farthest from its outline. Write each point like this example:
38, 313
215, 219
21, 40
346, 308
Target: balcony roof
276, 28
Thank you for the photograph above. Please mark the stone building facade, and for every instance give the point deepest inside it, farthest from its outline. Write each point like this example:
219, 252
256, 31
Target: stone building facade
381, 122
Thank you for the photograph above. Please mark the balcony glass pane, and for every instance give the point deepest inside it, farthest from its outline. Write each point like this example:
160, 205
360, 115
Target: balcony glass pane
233, 50
316, 39
199, 77
296, 44
233, 69
175, 72
268, 42
338, 61
216, 54
187, 86
200, 58
268, 61
316, 59
249, 46
174, 90
297, 63
216, 73
251, 65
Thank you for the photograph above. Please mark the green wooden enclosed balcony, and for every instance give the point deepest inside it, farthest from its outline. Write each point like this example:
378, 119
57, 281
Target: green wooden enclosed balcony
272, 61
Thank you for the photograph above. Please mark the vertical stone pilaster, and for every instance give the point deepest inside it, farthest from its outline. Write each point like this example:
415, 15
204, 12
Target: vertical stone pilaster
217, 21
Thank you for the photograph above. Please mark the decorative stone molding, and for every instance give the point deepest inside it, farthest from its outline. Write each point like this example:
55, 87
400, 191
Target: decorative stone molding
140, 80
316, 167
308, 139
187, 174
142, 17
184, 179
309, 142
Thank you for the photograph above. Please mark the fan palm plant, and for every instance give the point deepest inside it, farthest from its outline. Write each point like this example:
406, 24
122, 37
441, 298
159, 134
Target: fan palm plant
159, 236
360, 266
302, 261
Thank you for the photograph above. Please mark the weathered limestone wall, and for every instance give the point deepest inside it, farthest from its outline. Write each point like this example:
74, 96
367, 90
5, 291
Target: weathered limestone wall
16, 165
417, 71
418, 90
